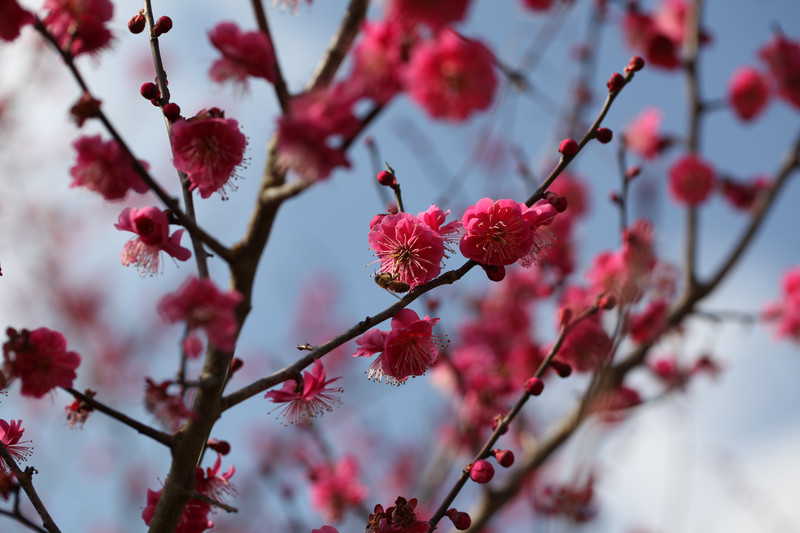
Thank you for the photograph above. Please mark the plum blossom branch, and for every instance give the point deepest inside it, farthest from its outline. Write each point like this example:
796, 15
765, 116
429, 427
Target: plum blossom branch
159, 436
339, 45
280, 83
24, 478
502, 425
588, 136
168, 201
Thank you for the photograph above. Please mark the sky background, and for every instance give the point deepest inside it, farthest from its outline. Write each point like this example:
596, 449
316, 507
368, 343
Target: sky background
724, 456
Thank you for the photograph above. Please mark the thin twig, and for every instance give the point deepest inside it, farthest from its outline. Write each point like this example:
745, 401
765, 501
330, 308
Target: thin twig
281, 91
24, 479
159, 436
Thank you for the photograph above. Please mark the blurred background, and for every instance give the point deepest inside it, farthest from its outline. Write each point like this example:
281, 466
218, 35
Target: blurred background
723, 455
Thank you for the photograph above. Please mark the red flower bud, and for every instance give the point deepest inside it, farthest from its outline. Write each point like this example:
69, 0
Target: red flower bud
504, 458
163, 25
496, 422
149, 91
137, 23
220, 446
568, 148
604, 135
481, 471
534, 387
172, 111
562, 369
615, 82
494, 272
460, 520
387, 179
635, 64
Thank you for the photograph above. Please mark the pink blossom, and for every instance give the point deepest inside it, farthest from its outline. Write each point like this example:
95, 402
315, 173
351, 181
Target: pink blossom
12, 19
585, 346
787, 310
744, 195
335, 488
691, 180
435, 218
408, 349
658, 36
105, 168
308, 397
243, 54
783, 58
747, 93
504, 231
194, 518
642, 135
152, 227
79, 26
10, 435
407, 248
433, 13
202, 305
40, 359
451, 77
208, 148
379, 60
325, 529
313, 119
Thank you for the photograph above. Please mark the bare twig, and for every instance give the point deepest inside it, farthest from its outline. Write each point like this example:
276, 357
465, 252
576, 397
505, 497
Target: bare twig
24, 478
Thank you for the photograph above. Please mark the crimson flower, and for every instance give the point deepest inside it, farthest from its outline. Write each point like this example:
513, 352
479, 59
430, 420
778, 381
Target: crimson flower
10, 435
202, 305
306, 397
407, 248
244, 54
12, 19
451, 77
105, 168
407, 350
748, 93
208, 148
335, 487
502, 232
783, 58
152, 227
691, 180
40, 359
79, 26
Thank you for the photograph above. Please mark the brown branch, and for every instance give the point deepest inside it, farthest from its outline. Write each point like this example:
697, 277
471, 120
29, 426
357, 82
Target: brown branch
281, 91
339, 45
24, 478
159, 436
165, 198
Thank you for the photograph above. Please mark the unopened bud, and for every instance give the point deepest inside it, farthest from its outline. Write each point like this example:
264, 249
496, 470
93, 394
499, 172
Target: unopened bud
615, 82
604, 135
163, 25
505, 458
568, 147
137, 23
481, 471
534, 386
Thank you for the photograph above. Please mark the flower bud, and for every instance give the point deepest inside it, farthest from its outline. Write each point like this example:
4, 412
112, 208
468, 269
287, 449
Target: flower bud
460, 520
635, 64
172, 111
561, 368
163, 25
505, 458
568, 148
496, 422
221, 446
387, 179
494, 272
481, 471
137, 23
604, 135
615, 82
149, 90
534, 386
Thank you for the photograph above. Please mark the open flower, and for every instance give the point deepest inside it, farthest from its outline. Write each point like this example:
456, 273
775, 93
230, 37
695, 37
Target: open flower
335, 488
502, 232
307, 397
407, 350
244, 54
105, 168
202, 305
10, 435
208, 148
152, 227
407, 248
40, 359
79, 26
